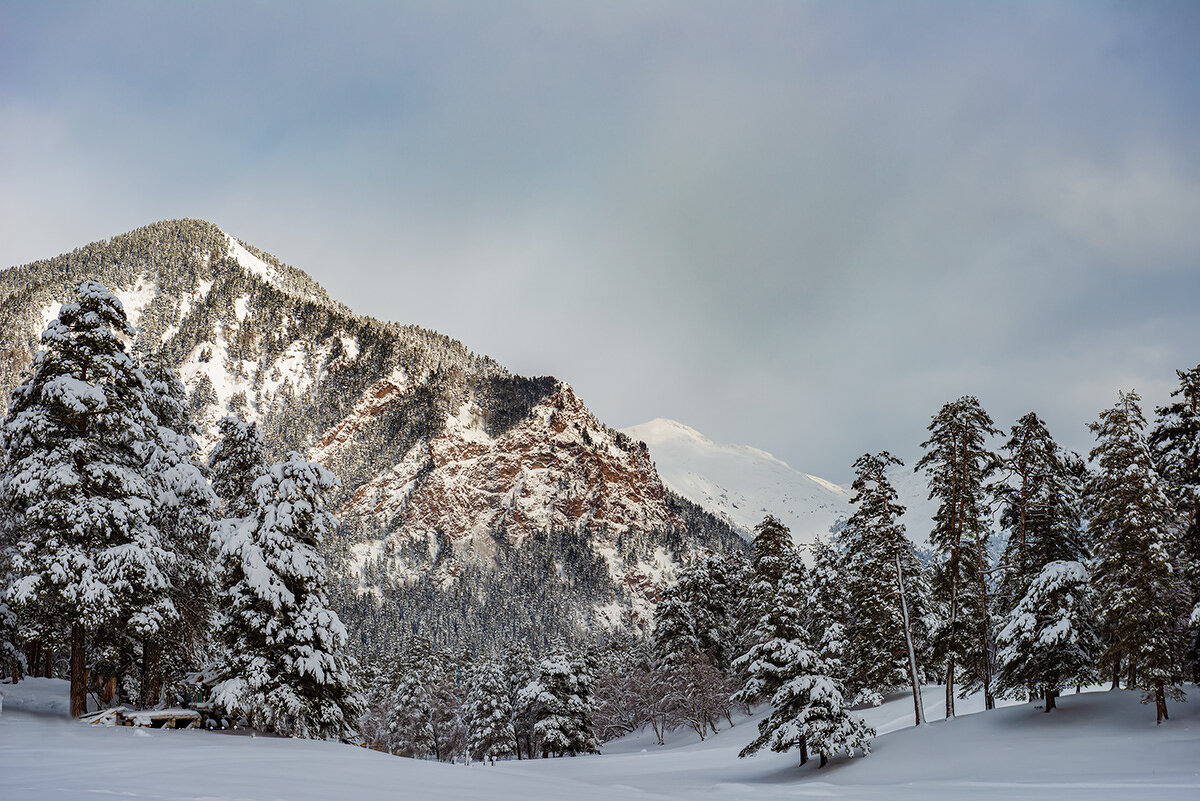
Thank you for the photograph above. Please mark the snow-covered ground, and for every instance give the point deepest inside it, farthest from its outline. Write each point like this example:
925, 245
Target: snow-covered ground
1098, 745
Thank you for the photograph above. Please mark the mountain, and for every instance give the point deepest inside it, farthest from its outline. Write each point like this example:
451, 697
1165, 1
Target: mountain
474, 502
741, 485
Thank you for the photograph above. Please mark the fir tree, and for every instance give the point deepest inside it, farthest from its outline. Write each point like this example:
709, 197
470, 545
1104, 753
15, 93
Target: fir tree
12, 661
289, 672
1041, 509
488, 712
183, 510
783, 667
426, 714
74, 489
693, 638
234, 464
1048, 641
1175, 443
958, 464
560, 697
1140, 595
885, 593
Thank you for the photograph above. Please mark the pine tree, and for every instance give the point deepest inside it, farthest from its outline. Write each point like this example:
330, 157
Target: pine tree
772, 555
560, 697
488, 712
1048, 641
885, 587
183, 510
289, 672
234, 464
693, 638
1140, 593
12, 661
426, 710
74, 488
1041, 509
958, 464
784, 668
1175, 443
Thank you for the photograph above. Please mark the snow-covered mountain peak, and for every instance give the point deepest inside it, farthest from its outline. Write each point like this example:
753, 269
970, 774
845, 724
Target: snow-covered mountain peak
742, 484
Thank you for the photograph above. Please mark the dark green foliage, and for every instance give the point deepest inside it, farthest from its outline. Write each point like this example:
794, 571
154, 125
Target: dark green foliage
874, 541
958, 464
1141, 597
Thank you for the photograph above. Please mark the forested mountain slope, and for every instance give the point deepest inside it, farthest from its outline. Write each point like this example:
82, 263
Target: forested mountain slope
474, 503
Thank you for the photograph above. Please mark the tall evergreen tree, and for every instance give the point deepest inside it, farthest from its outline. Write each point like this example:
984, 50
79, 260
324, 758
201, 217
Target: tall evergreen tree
1048, 641
784, 668
958, 464
560, 697
184, 505
426, 707
1175, 443
1141, 595
885, 587
74, 488
1041, 509
488, 712
289, 671
236, 461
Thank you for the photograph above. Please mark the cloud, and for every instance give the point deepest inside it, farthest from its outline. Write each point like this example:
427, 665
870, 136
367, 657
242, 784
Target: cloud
798, 226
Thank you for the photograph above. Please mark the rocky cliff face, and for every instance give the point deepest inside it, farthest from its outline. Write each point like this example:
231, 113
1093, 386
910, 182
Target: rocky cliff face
475, 503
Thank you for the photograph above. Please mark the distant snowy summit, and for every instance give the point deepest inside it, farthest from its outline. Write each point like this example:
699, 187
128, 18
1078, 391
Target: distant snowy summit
741, 484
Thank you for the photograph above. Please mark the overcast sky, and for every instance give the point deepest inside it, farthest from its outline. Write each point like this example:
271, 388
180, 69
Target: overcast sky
799, 226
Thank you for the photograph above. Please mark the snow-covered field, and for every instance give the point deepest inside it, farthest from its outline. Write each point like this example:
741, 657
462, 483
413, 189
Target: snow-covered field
1098, 745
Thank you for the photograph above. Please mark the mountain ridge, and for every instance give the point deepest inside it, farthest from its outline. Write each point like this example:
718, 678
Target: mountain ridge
510, 493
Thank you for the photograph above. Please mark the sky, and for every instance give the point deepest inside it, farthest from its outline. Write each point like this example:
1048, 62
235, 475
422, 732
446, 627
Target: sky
798, 226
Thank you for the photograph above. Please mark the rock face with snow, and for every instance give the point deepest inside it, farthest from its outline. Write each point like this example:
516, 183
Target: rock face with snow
741, 485
472, 500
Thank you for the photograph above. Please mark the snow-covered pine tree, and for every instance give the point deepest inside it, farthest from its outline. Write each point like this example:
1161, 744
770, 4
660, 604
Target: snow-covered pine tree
12, 661
1175, 443
289, 671
74, 487
236, 461
880, 564
183, 512
1048, 641
958, 464
487, 712
828, 609
1041, 509
772, 555
520, 668
693, 638
784, 668
426, 708
560, 698
1141, 597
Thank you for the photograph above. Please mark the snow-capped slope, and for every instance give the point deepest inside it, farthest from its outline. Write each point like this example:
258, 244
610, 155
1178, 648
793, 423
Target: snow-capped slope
742, 484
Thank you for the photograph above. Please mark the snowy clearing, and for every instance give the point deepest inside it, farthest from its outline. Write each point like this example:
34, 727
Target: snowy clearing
1098, 745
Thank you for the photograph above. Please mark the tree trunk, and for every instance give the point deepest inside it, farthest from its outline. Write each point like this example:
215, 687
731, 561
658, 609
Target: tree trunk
1160, 702
78, 673
824, 760
1050, 702
1116, 674
918, 701
803, 751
